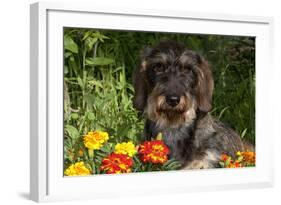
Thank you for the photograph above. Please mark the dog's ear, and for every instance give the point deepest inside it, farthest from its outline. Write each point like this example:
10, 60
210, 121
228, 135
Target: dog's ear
205, 85
140, 81
140, 86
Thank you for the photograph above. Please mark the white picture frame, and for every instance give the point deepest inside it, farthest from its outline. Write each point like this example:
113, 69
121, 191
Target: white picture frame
47, 182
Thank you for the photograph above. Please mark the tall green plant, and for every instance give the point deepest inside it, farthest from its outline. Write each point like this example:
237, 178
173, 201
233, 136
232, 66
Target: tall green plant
97, 94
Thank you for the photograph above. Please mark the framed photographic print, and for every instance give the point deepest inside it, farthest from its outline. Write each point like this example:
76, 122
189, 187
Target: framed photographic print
151, 101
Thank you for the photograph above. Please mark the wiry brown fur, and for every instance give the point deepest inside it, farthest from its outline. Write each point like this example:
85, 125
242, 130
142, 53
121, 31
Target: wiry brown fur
173, 89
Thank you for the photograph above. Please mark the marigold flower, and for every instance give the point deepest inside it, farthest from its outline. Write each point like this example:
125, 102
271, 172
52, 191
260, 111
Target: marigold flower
224, 157
249, 157
125, 148
95, 139
77, 169
237, 164
243, 159
117, 163
153, 151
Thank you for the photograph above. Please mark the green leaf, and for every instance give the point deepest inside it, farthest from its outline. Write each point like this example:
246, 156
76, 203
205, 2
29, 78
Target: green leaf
100, 155
86, 35
74, 116
89, 99
73, 64
106, 148
172, 164
70, 45
100, 36
72, 131
95, 83
223, 110
159, 136
65, 70
90, 116
239, 159
90, 42
122, 130
99, 61
227, 162
244, 133
80, 82
67, 54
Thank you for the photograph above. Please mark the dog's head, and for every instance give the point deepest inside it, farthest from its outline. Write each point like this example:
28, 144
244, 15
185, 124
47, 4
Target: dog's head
172, 84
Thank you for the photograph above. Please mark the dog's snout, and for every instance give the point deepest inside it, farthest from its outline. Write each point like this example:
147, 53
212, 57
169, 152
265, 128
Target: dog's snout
172, 100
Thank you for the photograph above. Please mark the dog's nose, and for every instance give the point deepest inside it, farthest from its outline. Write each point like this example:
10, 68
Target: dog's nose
172, 100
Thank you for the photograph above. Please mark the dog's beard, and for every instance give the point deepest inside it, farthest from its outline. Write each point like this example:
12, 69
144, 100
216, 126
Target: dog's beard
165, 116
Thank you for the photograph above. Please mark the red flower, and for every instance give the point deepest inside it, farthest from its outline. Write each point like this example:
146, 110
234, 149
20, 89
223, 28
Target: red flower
237, 164
153, 151
117, 163
224, 157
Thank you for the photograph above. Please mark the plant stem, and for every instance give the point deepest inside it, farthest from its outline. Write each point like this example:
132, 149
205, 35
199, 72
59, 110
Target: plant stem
95, 54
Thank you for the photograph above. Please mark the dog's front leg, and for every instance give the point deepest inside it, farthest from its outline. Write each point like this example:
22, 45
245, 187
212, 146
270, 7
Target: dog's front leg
210, 159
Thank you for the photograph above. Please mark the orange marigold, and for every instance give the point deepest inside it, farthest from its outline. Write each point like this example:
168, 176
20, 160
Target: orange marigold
242, 159
249, 157
153, 151
117, 163
224, 157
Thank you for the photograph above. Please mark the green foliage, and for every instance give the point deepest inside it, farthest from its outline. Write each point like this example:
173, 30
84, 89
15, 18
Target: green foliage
98, 90
233, 64
97, 95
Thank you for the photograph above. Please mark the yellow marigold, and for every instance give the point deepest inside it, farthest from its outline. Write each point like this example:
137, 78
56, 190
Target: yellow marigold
95, 139
77, 169
125, 148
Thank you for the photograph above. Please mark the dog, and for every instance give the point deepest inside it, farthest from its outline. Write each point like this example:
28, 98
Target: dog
173, 91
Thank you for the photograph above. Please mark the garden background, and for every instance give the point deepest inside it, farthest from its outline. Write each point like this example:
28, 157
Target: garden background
98, 66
